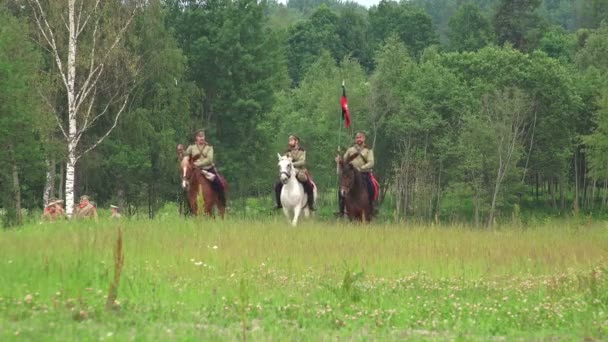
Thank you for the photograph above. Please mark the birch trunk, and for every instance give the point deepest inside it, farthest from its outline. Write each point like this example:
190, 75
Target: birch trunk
16, 186
49, 187
72, 128
61, 179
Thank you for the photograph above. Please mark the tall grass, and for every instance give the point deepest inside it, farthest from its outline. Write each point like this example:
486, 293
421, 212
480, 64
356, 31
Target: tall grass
231, 279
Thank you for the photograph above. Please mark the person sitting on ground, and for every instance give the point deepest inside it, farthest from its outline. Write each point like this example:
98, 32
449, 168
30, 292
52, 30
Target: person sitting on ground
53, 210
115, 213
85, 209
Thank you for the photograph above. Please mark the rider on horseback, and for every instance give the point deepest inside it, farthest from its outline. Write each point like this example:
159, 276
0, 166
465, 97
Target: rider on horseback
364, 163
298, 158
202, 152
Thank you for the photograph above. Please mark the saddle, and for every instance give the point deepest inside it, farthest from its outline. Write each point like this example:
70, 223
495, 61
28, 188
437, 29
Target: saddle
213, 177
375, 185
309, 180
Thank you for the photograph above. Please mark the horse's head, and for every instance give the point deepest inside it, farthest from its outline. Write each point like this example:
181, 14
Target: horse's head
348, 174
285, 168
188, 169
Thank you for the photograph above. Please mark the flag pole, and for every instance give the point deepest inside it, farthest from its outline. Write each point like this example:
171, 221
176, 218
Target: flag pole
340, 118
340, 124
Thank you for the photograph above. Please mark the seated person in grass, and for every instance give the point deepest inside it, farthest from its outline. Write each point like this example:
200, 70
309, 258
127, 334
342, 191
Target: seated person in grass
85, 209
53, 210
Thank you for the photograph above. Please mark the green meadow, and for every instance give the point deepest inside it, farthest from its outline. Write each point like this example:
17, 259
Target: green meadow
202, 279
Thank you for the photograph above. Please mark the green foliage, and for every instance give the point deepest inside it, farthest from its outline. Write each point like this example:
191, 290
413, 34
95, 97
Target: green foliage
518, 23
411, 24
22, 119
595, 50
559, 44
253, 72
597, 142
469, 29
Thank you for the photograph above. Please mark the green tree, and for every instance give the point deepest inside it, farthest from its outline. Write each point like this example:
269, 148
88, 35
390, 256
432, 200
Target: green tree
469, 29
596, 143
595, 50
518, 23
20, 118
309, 38
411, 24
417, 107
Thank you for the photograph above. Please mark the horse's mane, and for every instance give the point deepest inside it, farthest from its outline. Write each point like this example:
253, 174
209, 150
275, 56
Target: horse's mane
194, 158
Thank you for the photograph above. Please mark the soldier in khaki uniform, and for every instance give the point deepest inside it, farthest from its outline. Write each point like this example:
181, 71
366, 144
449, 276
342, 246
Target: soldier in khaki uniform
205, 161
364, 163
298, 159
53, 210
85, 209
115, 214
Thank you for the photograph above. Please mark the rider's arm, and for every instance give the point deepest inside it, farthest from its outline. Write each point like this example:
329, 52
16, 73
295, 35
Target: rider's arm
369, 165
187, 154
301, 161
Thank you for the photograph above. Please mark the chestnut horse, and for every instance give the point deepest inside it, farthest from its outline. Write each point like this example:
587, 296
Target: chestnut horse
195, 183
354, 192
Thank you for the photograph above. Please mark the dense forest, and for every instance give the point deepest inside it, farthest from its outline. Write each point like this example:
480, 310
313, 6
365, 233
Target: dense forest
478, 110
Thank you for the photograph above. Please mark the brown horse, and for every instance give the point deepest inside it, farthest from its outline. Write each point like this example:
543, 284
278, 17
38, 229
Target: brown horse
194, 182
354, 192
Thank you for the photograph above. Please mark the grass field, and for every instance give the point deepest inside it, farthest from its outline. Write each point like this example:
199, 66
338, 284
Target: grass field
207, 280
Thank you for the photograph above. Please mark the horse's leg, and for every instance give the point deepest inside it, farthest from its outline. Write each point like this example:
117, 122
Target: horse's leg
192, 197
296, 213
208, 207
210, 198
306, 212
286, 212
222, 210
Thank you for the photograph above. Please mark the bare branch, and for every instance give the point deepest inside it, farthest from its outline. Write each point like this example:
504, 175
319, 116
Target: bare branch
55, 114
87, 115
78, 17
88, 85
49, 37
79, 28
122, 108
83, 94
65, 22
120, 34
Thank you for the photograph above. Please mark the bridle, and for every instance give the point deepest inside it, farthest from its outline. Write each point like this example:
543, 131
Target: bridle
286, 172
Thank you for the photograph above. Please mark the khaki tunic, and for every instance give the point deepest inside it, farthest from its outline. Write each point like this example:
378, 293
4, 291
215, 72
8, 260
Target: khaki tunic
365, 161
205, 161
52, 216
88, 211
115, 216
298, 160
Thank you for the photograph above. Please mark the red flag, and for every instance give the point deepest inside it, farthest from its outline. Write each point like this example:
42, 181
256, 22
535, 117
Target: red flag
345, 111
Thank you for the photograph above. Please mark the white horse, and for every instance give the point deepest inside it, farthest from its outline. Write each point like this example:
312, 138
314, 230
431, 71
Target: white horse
293, 197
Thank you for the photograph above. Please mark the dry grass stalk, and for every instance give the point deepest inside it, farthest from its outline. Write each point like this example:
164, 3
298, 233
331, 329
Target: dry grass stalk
119, 259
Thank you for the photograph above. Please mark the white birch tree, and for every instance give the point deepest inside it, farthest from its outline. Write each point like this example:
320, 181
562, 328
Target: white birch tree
85, 39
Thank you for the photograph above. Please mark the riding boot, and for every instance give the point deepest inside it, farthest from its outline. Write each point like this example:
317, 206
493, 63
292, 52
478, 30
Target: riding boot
374, 207
221, 194
340, 212
277, 193
310, 194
